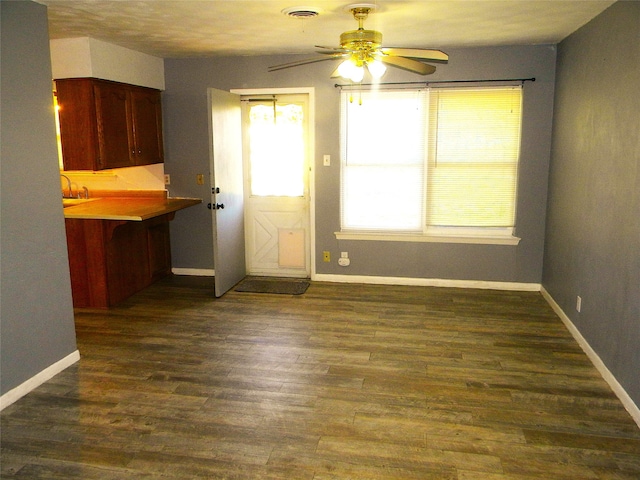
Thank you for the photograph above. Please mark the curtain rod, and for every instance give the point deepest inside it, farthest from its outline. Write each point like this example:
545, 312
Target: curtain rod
533, 79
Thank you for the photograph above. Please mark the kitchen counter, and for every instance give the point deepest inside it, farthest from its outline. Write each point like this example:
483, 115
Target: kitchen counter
125, 208
118, 243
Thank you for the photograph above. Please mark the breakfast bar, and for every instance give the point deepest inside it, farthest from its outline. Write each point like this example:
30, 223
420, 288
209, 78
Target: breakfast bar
118, 244
134, 209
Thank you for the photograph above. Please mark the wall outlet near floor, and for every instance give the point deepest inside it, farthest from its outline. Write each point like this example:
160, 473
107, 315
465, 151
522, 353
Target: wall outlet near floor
579, 303
167, 179
200, 179
326, 256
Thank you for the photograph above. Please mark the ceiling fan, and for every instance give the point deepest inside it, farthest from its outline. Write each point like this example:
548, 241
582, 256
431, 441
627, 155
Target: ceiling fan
362, 49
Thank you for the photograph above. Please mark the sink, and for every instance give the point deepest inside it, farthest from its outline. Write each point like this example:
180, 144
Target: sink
72, 202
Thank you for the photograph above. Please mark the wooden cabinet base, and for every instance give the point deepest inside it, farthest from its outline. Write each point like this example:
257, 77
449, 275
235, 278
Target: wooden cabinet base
111, 260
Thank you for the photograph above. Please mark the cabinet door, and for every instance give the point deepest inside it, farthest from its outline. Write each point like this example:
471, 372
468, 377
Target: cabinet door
127, 259
87, 262
78, 129
115, 132
147, 126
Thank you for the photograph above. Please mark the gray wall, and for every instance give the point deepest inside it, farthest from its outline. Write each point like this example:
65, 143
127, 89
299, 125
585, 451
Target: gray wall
593, 232
187, 153
36, 313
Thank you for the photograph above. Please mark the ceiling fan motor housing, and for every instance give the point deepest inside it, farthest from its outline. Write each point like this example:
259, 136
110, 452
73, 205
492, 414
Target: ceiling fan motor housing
361, 40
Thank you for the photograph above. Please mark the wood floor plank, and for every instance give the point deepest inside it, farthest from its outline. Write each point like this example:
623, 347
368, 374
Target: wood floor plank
346, 381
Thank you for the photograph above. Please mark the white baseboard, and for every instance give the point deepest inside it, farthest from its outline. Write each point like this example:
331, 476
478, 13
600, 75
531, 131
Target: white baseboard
618, 389
419, 282
428, 282
51, 371
196, 272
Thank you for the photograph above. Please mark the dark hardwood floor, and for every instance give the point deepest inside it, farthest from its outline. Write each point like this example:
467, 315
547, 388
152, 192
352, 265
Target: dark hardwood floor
343, 382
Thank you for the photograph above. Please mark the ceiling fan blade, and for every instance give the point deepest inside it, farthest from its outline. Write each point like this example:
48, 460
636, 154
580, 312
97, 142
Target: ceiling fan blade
427, 54
333, 52
335, 49
409, 64
307, 61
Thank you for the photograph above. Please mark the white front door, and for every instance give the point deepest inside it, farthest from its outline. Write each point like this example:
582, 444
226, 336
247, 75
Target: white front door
277, 161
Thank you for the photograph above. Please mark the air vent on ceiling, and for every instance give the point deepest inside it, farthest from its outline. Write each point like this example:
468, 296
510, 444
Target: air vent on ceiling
301, 12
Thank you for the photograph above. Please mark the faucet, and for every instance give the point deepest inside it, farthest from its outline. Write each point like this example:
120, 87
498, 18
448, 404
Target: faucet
69, 184
86, 192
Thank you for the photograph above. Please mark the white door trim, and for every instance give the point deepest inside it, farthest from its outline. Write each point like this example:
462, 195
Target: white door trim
312, 153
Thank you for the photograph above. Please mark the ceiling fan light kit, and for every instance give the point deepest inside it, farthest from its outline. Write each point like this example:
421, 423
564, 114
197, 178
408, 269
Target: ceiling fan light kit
351, 71
361, 50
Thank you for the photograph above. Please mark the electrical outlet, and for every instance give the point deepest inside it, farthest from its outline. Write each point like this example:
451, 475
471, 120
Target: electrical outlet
344, 261
326, 256
326, 160
167, 179
200, 179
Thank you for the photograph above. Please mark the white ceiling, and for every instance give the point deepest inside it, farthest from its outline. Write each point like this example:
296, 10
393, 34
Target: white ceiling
188, 28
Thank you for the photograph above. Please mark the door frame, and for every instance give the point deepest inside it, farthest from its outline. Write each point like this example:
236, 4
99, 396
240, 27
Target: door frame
310, 91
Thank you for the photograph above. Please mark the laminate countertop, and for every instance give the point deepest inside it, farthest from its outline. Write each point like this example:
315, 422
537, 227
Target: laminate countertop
125, 208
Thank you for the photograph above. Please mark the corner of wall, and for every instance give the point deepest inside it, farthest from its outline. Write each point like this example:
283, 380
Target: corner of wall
618, 389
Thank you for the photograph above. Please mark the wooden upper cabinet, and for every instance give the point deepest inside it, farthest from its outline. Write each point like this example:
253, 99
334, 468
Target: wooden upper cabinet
106, 124
147, 126
114, 125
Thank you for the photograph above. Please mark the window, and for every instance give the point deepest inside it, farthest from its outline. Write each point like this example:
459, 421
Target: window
438, 161
276, 148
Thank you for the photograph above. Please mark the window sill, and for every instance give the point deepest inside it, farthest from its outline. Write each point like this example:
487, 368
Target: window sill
409, 237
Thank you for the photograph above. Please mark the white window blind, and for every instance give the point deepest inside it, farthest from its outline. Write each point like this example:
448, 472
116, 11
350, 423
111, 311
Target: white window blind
474, 146
435, 161
383, 160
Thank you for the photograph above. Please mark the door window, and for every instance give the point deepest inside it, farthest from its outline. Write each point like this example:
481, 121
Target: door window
276, 149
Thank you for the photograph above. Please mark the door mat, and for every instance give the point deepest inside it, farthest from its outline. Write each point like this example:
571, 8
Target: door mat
275, 285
